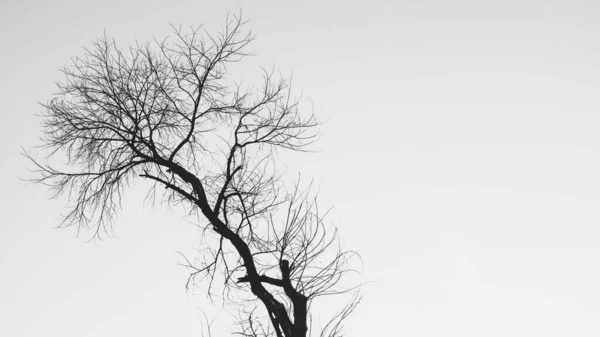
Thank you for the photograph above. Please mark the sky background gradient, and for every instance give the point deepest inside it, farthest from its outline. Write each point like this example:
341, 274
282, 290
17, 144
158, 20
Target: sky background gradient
461, 154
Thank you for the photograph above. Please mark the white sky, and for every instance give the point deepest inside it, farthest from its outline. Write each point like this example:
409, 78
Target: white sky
461, 154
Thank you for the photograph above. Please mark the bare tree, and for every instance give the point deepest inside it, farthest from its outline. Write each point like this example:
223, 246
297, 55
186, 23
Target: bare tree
167, 112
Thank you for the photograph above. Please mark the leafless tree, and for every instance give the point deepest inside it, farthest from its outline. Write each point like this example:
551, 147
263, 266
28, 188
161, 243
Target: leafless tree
167, 112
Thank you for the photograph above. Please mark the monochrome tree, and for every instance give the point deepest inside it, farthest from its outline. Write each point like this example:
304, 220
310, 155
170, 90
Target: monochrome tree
167, 112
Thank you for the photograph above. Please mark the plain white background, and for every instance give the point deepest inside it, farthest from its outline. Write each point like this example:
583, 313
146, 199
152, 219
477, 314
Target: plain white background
461, 154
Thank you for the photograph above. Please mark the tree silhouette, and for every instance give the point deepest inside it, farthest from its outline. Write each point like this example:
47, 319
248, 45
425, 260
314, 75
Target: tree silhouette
167, 113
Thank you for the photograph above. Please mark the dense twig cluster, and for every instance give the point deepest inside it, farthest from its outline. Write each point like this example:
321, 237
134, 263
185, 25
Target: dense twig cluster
166, 112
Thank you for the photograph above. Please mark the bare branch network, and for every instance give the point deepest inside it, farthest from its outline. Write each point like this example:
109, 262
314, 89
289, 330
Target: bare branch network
166, 112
